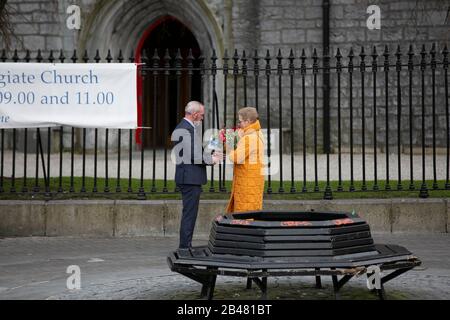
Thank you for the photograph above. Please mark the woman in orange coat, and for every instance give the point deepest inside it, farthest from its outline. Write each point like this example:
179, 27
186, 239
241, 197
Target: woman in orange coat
248, 176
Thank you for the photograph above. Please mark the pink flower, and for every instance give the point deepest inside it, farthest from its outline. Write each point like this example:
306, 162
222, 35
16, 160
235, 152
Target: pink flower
229, 136
222, 136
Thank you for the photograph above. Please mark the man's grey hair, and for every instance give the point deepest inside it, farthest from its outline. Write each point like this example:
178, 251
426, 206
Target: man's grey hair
192, 107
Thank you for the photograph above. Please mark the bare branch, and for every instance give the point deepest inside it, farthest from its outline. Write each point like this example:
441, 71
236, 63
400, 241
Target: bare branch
5, 25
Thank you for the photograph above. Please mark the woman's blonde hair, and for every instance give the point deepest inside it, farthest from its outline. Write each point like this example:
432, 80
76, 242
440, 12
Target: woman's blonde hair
249, 114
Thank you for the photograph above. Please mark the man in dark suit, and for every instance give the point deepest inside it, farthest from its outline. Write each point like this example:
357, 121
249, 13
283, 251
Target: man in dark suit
190, 171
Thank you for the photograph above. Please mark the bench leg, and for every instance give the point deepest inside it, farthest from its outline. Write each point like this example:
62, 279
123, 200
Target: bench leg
208, 286
204, 291
264, 288
211, 288
335, 288
318, 280
249, 283
381, 293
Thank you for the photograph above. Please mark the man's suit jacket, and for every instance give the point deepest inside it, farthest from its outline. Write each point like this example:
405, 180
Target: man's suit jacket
190, 169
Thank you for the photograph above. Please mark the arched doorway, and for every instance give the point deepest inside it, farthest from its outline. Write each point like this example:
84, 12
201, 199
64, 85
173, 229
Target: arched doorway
171, 92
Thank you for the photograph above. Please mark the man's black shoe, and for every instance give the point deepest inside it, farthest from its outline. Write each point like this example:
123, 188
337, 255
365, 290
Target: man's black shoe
183, 252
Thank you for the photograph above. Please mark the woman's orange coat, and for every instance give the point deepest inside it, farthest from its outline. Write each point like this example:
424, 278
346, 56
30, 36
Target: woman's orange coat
248, 176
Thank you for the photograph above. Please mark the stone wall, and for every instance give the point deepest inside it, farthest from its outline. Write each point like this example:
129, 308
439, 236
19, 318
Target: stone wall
40, 24
125, 218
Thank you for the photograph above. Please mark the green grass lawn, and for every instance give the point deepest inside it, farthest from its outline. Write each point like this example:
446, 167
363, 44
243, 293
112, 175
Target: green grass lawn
167, 191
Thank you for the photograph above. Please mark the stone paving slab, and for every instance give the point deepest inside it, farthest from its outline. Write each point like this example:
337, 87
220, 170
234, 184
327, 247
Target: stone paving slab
136, 268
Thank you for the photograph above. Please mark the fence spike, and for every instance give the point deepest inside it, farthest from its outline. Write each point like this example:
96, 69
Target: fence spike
410, 58
50, 57
374, 59
433, 48
398, 54
433, 56
109, 56
144, 58
351, 54
120, 57
85, 56
303, 63
291, 56
167, 62
179, 61
326, 60
155, 58
279, 64
201, 60
362, 63
214, 56
315, 61
386, 52
167, 57
15, 57
445, 50
213, 63
131, 58
179, 57
255, 55
39, 56
244, 63
291, 63
61, 56
338, 61
236, 60
445, 57
190, 58
386, 58
97, 56
156, 61
374, 52
423, 61
190, 61
362, 54
279, 54
27, 56
267, 58
74, 56
3, 57
244, 57
399, 51
255, 63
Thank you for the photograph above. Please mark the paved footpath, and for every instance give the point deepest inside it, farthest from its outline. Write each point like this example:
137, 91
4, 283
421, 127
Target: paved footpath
136, 268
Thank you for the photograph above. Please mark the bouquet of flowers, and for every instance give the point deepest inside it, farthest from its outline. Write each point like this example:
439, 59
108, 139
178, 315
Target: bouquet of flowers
229, 137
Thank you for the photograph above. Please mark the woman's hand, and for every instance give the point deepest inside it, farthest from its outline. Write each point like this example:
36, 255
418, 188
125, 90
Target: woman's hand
217, 157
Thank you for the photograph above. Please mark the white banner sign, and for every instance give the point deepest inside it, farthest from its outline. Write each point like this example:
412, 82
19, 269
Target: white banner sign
85, 95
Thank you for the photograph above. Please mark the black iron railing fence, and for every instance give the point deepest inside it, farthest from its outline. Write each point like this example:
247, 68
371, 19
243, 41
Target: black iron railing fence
411, 120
